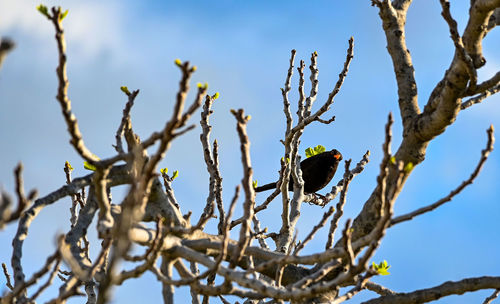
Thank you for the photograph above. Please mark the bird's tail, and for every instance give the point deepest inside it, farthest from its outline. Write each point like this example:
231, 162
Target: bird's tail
266, 187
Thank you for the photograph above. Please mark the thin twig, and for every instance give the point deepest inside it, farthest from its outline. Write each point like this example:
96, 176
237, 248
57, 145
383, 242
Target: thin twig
484, 155
360, 166
347, 233
223, 251
326, 122
149, 250
151, 258
264, 205
315, 229
286, 89
493, 296
62, 90
105, 221
167, 182
302, 94
74, 198
340, 206
258, 230
325, 269
313, 67
459, 46
381, 290
21, 286
212, 163
478, 99
249, 204
487, 84
225, 241
125, 118
437, 292
7, 277
331, 96
23, 201
48, 283
359, 287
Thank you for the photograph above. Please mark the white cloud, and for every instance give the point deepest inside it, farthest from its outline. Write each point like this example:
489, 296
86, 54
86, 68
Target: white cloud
91, 26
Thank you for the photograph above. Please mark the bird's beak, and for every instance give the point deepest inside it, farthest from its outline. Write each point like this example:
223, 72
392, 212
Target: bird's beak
337, 156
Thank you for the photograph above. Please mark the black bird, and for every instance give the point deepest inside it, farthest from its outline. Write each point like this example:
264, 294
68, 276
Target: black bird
317, 172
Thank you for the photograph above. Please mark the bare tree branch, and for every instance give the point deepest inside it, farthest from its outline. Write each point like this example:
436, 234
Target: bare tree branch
493, 296
7, 277
326, 106
486, 85
125, 118
6, 215
442, 107
21, 286
479, 98
62, 91
52, 275
437, 292
359, 287
393, 20
459, 46
381, 290
340, 205
484, 155
212, 162
315, 229
213, 264
249, 204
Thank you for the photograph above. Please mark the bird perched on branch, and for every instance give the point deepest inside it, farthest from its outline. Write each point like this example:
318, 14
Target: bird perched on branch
317, 171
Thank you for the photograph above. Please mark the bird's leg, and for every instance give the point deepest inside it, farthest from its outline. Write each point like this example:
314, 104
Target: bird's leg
318, 199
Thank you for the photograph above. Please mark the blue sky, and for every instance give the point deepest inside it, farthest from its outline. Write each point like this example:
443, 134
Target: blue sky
242, 50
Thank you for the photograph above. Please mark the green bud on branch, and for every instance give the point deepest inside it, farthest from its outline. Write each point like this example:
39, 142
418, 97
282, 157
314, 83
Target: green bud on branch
125, 90
381, 268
